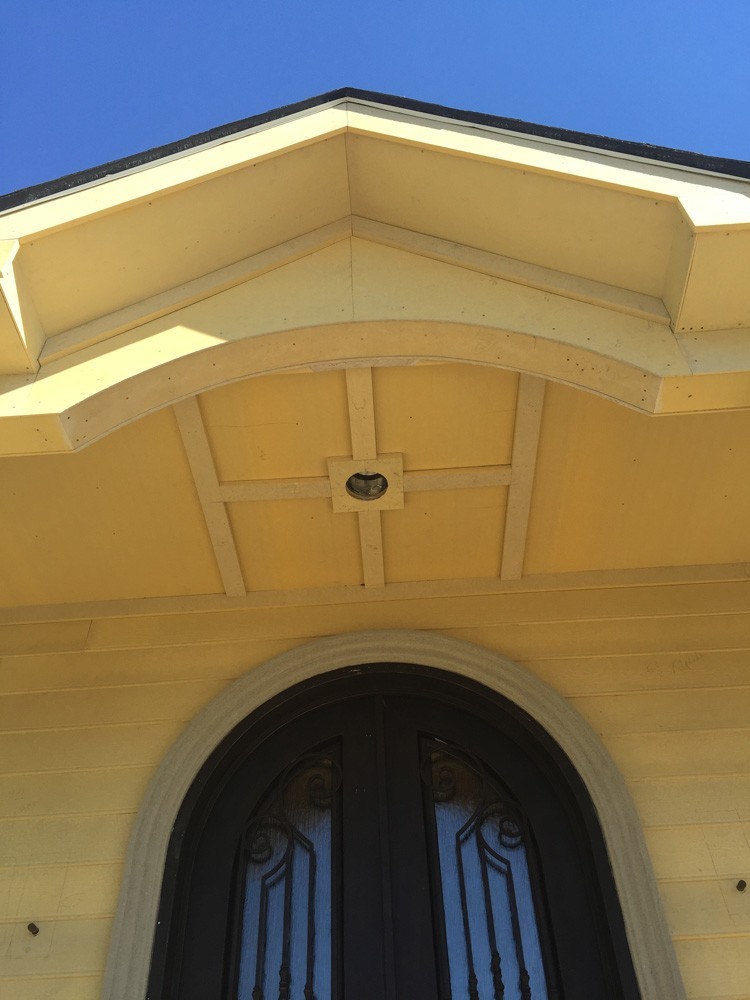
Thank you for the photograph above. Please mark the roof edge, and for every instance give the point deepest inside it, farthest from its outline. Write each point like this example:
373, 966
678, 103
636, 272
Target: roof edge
662, 154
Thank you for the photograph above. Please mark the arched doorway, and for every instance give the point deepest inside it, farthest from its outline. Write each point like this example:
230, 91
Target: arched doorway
137, 918
384, 832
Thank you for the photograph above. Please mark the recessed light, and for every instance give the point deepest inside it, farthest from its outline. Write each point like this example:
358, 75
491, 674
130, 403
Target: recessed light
366, 485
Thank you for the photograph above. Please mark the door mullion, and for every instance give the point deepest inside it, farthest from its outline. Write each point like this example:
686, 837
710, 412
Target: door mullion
385, 818
413, 926
366, 925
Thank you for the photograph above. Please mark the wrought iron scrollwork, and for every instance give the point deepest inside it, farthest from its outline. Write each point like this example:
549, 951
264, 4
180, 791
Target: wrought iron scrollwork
273, 838
496, 828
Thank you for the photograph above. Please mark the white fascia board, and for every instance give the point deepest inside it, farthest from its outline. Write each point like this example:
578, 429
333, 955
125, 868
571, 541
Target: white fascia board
180, 169
708, 199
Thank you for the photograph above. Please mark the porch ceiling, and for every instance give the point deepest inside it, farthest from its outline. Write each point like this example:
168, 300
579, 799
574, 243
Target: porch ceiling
201, 336
229, 492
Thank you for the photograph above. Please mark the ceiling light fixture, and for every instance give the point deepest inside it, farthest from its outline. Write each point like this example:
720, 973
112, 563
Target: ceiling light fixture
366, 485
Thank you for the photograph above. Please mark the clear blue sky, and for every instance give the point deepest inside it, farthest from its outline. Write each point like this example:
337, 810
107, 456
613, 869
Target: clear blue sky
85, 81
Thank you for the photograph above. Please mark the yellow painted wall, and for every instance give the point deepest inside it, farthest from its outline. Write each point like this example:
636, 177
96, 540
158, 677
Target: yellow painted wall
88, 708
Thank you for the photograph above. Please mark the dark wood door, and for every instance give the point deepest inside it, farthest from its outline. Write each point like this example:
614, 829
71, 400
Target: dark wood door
389, 834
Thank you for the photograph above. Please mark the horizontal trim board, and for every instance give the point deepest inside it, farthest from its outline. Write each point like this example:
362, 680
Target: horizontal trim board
313, 487
580, 581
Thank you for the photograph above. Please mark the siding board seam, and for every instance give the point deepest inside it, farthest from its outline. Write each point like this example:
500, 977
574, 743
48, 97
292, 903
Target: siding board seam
27, 816
98, 725
148, 765
730, 935
699, 775
691, 824
692, 879
51, 916
51, 976
209, 679
299, 638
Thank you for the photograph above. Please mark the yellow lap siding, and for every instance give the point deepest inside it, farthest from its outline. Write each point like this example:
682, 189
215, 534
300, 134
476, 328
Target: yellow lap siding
81, 732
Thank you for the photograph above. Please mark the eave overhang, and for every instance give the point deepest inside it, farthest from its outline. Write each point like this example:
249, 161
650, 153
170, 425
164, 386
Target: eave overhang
358, 227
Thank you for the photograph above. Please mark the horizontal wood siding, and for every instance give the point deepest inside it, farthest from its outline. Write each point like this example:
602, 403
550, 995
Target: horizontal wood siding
89, 707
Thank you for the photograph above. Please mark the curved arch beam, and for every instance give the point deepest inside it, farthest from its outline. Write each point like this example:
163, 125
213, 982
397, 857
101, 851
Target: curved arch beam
68, 409
648, 935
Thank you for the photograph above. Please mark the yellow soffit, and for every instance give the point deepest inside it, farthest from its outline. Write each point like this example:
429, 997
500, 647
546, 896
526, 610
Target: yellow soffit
357, 231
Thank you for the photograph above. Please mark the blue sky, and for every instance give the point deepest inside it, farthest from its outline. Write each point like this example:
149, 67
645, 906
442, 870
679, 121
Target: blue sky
86, 82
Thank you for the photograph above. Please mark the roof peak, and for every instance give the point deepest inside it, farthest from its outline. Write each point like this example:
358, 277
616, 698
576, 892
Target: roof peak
662, 154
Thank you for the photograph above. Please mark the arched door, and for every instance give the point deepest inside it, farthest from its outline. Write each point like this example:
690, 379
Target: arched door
389, 833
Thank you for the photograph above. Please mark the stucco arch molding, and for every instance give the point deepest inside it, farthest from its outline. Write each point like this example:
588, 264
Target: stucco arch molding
648, 935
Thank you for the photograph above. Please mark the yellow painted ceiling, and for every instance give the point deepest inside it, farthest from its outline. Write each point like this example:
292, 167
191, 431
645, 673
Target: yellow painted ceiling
118, 520
277, 427
588, 230
613, 489
627, 277
112, 260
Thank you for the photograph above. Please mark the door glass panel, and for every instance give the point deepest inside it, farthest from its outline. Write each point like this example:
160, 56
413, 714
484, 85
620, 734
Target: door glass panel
287, 865
480, 848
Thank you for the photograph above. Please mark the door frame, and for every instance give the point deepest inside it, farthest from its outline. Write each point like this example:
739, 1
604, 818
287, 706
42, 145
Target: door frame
647, 933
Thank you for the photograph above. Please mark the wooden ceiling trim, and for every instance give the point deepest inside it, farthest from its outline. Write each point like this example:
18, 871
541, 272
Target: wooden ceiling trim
21, 333
361, 405
198, 450
457, 479
103, 327
361, 412
306, 488
523, 464
509, 269
315, 487
691, 587
371, 542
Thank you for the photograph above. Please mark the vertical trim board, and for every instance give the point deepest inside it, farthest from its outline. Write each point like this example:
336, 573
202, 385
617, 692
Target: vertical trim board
361, 405
198, 450
523, 463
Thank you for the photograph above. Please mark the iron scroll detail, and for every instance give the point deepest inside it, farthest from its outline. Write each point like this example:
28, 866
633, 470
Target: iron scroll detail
478, 838
281, 867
